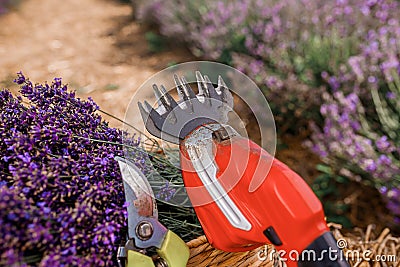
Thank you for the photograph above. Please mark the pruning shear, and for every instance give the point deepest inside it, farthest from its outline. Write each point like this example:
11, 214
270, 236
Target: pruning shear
144, 230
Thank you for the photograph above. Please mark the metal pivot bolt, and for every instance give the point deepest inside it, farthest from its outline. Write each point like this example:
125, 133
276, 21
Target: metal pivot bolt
221, 135
144, 230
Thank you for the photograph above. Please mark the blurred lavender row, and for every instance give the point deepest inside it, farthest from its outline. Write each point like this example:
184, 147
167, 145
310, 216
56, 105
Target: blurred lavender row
335, 63
5, 5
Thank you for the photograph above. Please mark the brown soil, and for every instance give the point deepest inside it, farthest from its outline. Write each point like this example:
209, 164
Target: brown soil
94, 45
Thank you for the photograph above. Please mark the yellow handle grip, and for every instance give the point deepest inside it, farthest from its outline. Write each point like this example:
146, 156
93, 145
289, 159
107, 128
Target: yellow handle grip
137, 259
174, 250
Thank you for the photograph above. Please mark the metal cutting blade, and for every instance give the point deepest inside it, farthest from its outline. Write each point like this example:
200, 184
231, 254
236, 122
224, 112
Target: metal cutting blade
173, 120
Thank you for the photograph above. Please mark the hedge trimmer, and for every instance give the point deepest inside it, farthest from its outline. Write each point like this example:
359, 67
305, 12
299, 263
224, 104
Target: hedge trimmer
219, 166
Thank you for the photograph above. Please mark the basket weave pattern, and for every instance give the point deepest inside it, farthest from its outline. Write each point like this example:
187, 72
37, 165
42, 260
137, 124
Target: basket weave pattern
203, 254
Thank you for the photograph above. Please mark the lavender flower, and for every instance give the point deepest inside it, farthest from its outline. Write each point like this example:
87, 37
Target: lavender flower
166, 192
335, 60
286, 46
60, 186
392, 197
373, 76
368, 150
5, 5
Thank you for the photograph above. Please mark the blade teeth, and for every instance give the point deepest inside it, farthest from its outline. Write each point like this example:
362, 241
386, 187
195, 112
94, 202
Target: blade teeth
189, 89
210, 88
170, 99
179, 88
157, 118
149, 108
161, 98
163, 90
172, 104
157, 92
199, 77
225, 93
221, 84
200, 83
184, 93
143, 111
154, 115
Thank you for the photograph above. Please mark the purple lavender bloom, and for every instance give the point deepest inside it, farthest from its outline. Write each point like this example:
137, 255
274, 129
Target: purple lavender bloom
370, 165
55, 178
5, 5
372, 79
391, 95
383, 144
166, 192
355, 64
373, 158
384, 160
392, 197
334, 83
335, 58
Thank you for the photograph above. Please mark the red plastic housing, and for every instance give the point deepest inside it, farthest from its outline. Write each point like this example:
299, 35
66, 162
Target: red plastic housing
283, 200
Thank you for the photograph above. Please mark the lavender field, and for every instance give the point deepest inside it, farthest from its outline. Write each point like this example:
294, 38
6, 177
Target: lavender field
331, 67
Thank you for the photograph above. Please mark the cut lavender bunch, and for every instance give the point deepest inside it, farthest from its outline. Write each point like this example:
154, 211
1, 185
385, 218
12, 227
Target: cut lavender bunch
61, 194
62, 197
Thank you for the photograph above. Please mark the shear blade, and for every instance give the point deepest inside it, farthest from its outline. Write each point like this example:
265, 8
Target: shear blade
142, 208
151, 127
138, 193
172, 121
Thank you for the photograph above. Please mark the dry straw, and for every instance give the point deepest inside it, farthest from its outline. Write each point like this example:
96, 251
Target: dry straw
382, 245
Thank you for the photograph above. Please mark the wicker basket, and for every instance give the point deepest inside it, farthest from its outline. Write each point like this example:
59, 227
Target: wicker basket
382, 246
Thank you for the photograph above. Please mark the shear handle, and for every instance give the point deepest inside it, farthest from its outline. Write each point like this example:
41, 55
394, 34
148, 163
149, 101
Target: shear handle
173, 251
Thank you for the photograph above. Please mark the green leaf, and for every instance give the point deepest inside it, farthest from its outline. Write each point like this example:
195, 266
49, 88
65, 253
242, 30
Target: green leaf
156, 43
324, 169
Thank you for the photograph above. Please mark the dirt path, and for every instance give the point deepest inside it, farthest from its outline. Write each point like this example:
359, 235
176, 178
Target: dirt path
93, 45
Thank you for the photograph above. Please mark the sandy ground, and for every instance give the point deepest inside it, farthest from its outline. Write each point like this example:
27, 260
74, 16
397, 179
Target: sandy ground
94, 45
